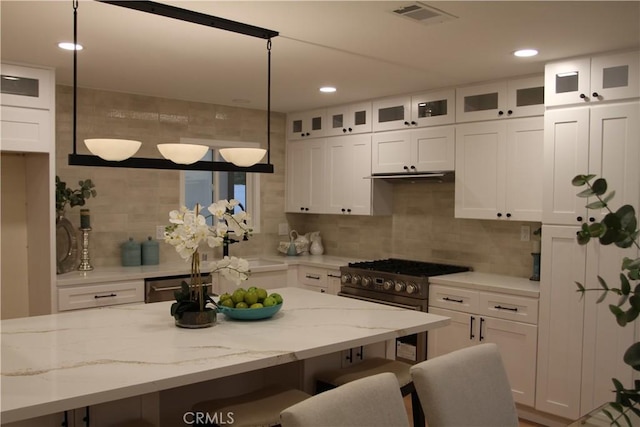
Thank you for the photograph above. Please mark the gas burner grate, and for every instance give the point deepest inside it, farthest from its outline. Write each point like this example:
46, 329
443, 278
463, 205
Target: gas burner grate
408, 267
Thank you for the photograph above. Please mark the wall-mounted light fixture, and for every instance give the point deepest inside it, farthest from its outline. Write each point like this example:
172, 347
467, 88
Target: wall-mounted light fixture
117, 153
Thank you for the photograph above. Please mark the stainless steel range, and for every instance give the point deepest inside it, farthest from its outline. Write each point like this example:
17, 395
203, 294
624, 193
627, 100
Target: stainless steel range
400, 283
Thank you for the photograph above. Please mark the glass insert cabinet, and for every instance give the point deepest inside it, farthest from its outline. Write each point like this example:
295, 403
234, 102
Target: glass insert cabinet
599, 78
308, 124
349, 119
513, 98
424, 109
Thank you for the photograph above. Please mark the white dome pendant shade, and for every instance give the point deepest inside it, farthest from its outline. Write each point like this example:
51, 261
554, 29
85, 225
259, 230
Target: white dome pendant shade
112, 149
243, 157
184, 154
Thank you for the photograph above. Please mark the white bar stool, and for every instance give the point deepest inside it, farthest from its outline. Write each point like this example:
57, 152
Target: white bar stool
327, 380
257, 408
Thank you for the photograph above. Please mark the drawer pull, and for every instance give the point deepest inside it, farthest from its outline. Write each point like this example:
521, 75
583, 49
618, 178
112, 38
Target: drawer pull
111, 295
471, 336
459, 301
499, 307
312, 276
333, 275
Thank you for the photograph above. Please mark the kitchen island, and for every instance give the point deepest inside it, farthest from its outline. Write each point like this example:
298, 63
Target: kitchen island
70, 360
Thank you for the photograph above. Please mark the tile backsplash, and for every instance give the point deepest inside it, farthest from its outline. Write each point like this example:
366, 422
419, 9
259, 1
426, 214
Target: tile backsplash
132, 202
423, 228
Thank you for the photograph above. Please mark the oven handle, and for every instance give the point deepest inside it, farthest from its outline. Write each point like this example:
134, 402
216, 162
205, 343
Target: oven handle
394, 304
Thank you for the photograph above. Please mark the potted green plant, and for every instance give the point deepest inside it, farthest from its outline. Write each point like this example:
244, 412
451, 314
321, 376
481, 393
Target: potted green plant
66, 196
621, 229
194, 307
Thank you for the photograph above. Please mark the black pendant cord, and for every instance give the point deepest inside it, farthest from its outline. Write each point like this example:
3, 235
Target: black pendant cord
75, 72
269, 101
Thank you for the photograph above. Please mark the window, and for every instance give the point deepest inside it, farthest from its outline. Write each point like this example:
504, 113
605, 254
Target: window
206, 187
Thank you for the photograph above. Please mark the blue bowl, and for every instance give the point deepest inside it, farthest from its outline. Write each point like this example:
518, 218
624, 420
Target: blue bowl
250, 313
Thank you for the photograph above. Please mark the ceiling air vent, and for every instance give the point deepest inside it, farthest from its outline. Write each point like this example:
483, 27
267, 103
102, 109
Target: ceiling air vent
420, 12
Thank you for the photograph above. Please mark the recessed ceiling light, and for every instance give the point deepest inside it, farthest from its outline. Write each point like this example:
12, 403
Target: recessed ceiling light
69, 46
523, 53
327, 89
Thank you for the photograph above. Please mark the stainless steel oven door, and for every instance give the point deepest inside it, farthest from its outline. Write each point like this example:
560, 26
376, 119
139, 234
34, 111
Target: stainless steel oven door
162, 288
411, 348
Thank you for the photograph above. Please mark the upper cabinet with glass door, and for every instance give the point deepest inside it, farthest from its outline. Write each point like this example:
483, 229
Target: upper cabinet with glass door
308, 124
27, 87
508, 98
423, 109
599, 78
349, 119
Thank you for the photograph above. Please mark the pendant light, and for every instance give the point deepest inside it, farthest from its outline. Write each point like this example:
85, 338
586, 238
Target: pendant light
118, 152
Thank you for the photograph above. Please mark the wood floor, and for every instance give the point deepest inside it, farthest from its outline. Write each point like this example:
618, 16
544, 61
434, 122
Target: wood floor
407, 404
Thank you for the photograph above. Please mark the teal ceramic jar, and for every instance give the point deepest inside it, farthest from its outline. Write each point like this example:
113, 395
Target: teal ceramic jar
131, 253
150, 252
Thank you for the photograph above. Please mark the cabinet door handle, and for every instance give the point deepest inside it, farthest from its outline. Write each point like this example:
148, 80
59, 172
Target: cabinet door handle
583, 96
500, 113
322, 291
312, 276
499, 307
510, 112
453, 300
595, 94
111, 295
481, 323
471, 336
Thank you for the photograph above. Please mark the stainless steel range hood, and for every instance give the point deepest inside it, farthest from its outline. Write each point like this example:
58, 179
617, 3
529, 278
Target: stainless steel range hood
440, 176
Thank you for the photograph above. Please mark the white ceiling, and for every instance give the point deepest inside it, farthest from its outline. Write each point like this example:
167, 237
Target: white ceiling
358, 46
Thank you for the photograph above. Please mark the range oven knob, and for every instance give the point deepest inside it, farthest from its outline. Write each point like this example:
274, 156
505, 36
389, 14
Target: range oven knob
366, 281
355, 280
412, 288
387, 285
346, 278
400, 286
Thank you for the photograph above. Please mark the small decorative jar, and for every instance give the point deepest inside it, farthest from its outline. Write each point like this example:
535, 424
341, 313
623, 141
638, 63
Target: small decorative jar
150, 252
131, 253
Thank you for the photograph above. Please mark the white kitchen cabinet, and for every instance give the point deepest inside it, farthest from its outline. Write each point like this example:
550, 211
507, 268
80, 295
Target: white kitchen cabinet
263, 279
595, 79
420, 150
27, 141
27, 86
307, 124
319, 279
499, 169
601, 140
104, 294
513, 98
423, 109
481, 317
349, 119
306, 171
580, 346
348, 165
26, 130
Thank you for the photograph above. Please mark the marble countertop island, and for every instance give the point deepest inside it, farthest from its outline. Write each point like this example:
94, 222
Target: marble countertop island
69, 360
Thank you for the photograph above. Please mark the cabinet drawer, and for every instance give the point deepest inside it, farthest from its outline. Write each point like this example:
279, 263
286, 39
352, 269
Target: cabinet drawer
453, 298
100, 295
509, 307
312, 276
